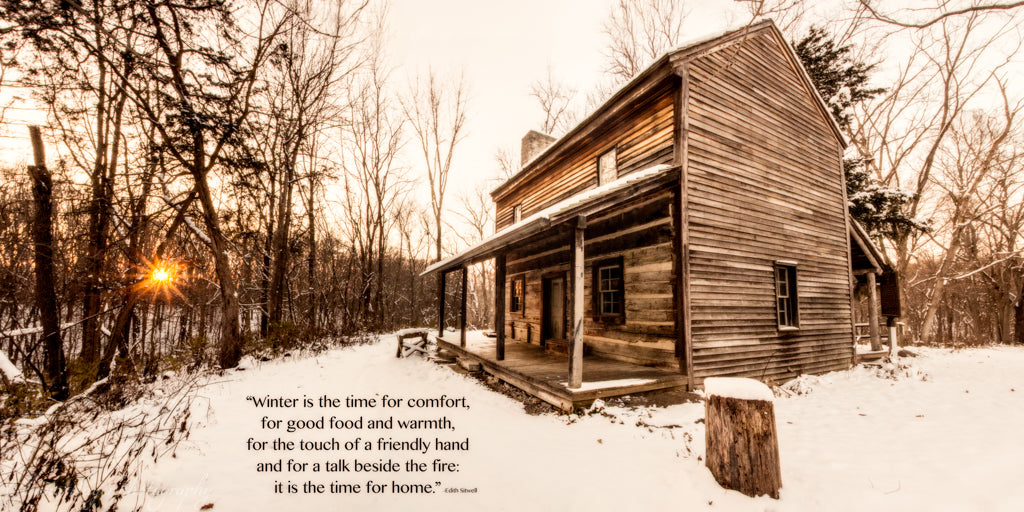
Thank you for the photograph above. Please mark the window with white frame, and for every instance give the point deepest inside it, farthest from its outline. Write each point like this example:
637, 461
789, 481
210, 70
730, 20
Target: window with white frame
608, 291
607, 167
786, 304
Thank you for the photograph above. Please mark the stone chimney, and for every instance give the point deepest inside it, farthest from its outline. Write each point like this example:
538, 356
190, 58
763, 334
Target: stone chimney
534, 143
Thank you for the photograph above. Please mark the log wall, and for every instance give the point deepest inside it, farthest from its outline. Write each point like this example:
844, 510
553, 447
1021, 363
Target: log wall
763, 184
641, 232
643, 137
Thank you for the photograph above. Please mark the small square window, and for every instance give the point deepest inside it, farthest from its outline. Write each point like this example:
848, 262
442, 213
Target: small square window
608, 291
786, 305
607, 167
518, 302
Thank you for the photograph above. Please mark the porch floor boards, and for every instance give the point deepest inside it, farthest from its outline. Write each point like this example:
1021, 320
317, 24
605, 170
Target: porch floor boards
544, 374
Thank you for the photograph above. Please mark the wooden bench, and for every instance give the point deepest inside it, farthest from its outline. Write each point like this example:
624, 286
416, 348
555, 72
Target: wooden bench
411, 341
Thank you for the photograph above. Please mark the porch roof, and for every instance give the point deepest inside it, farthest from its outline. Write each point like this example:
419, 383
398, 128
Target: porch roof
870, 257
580, 204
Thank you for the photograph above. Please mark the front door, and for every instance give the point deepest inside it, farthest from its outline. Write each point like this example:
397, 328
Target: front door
554, 308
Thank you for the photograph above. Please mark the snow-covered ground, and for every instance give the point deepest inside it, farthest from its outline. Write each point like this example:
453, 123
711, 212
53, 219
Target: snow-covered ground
943, 434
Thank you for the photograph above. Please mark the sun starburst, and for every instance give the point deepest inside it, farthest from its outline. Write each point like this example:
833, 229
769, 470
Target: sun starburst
161, 278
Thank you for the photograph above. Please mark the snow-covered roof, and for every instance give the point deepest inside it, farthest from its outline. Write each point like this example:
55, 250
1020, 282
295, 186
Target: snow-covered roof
559, 211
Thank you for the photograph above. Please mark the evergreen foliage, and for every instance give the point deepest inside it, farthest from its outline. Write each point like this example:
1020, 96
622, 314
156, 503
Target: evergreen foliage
843, 82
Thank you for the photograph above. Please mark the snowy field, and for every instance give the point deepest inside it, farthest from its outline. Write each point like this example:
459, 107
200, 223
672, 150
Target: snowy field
943, 434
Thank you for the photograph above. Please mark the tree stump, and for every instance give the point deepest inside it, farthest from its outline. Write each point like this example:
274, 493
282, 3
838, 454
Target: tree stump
742, 447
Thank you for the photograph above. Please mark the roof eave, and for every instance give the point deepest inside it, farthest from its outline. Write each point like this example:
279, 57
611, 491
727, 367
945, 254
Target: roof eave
529, 169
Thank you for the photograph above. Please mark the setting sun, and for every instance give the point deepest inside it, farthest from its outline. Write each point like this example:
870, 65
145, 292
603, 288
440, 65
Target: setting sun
160, 275
160, 278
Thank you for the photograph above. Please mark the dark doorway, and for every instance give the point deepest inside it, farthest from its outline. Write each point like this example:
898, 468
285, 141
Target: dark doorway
553, 319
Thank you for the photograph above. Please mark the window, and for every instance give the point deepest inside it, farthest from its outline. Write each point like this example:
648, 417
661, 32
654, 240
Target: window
785, 295
518, 302
608, 296
517, 213
607, 171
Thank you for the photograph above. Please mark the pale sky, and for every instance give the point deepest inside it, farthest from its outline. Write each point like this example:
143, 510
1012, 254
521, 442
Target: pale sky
503, 47
500, 48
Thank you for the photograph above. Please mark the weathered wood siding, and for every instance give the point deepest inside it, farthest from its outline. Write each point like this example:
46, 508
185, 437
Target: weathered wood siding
642, 138
763, 185
639, 231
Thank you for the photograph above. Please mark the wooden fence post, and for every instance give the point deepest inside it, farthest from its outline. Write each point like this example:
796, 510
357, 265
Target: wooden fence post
742, 446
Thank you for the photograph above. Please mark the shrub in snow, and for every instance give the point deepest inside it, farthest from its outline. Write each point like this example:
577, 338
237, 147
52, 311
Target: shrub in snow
899, 370
801, 385
80, 454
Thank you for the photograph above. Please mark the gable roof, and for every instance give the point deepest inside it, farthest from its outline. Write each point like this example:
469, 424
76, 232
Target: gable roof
663, 68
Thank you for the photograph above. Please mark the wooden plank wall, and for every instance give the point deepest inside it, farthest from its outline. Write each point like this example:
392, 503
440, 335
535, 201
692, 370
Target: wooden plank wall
641, 232
763, 185
643, 138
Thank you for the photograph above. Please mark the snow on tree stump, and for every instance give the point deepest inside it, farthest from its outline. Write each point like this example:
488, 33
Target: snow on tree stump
742, 447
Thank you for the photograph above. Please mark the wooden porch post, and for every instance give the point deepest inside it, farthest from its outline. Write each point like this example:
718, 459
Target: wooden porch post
462, 308
576, 304
441, 278
893, 336
499, 306
876, 339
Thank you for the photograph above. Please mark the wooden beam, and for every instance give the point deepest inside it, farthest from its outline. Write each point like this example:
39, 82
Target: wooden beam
442, 277
894, 345
499, 306
849, 256
576, 305
462, 307
684, 346
876, 338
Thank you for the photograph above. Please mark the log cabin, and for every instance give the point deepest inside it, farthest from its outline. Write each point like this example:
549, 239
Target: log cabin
695, 225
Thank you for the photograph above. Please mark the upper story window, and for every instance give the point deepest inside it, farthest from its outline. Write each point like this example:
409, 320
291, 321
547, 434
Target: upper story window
607, 167
518, 302
787, 308
517, 213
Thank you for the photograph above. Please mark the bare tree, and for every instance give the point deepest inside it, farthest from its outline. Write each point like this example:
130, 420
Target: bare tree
786, 14
312, 59
639, 32
941, 12
477, 213
437, 115
373, 179
46, 295
904, 130
555, 99
507, 160
977, 147
209, 106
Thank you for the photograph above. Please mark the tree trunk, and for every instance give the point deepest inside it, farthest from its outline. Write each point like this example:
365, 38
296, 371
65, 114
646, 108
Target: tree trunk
279, 247
1018, 317
230, 350
268, 248
935, 301
311, 258
742, 445
55, 367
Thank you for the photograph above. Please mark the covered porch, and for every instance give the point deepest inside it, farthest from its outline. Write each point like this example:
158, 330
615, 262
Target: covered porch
872, 339
544, 375
552, 362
